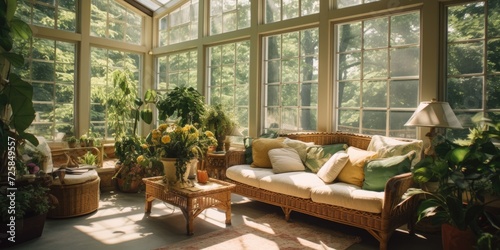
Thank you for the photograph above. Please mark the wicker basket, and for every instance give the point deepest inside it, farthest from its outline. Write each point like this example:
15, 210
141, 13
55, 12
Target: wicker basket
76, 199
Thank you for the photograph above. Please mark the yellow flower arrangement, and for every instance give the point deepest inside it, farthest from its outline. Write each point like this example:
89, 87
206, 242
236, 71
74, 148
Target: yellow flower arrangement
183, 143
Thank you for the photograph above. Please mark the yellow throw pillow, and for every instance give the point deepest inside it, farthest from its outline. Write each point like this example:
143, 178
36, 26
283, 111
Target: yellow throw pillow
353, 171
260, 150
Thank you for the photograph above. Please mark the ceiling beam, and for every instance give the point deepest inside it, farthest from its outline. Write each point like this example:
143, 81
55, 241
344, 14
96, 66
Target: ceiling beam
140, 7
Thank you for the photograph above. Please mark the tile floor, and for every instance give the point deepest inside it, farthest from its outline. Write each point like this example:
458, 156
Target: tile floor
120, 223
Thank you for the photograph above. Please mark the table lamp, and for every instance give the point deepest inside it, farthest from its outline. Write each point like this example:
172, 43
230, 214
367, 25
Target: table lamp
433, 114
234, 132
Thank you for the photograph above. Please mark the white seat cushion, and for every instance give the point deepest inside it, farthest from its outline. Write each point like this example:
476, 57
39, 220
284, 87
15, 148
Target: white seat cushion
71, 179
348, 196
298, 184
247, 175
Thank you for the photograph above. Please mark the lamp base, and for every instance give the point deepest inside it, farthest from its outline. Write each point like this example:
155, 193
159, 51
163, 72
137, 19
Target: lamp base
429, 151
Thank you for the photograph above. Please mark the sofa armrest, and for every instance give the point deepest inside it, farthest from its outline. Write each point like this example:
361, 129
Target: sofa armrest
394, 190
235, 157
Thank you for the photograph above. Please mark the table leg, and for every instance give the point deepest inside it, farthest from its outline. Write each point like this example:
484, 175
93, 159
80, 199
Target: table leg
189, 217
228, 209
149, 201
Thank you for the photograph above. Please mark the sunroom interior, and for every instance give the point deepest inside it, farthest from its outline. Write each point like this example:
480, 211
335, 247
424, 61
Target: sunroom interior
357, 66
287, 66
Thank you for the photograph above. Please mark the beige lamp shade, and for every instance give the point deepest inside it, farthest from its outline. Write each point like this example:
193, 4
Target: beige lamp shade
434, 114
235, 132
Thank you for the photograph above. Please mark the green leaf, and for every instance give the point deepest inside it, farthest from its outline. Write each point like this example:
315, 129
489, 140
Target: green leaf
20, 94
150, 96
20, 29
11, 9
30, 137
147, 115
16, 60
458, 155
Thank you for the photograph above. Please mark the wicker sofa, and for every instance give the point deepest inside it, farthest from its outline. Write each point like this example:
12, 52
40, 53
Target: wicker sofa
381, 224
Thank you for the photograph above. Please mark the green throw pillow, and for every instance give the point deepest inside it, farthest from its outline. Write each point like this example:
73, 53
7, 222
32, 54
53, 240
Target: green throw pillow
379, 171
317, 155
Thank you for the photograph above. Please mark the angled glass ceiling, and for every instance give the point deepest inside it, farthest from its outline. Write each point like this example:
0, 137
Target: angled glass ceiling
154, 5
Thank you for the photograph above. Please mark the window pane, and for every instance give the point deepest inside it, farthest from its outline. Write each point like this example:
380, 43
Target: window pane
374, 122
397, 125
375, 64
179, 25
111, 20
403, 94
465, 58
375, 33
348, 121
349, 66
228, 78
378, 58
349, 94
290, 76
278, 10
405, 62
493, 92
374, 94
470, 14
493, 55
465, 93
53, 83
405, 29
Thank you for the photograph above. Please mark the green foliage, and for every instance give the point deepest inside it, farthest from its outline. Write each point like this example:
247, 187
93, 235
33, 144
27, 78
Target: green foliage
88, 158
467, 170
186, 103
31, 199
218, 120
16, 106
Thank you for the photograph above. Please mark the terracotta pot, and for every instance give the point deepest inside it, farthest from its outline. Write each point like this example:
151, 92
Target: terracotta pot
202, 176
456, 239
132, 187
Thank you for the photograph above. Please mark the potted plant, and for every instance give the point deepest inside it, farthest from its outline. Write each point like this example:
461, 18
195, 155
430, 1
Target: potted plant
123, 107
16, 115
184, 103
177, 146
467, 170
221, 122
72, 142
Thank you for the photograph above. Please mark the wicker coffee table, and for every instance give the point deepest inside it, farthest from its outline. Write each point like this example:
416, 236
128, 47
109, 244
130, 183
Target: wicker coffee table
191, 201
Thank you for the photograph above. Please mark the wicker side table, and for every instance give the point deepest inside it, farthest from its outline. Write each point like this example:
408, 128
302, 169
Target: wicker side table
215, 165
192, 201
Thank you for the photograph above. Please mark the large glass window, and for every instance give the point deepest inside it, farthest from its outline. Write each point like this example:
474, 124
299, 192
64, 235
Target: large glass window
378, 74
291, 81
104, 62
279, 10
473, 61
179, 25
112, 20
229, 15
50, 68
175, 70
55, 14
228, 79
348, 3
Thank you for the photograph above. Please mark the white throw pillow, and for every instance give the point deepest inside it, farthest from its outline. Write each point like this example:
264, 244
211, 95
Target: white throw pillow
331, 169
285, 160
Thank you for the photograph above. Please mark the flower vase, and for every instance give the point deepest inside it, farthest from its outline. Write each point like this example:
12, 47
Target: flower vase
169, 170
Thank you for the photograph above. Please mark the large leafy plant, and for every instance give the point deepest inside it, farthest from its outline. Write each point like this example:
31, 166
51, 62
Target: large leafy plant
16, 105
467, 171
186, 103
